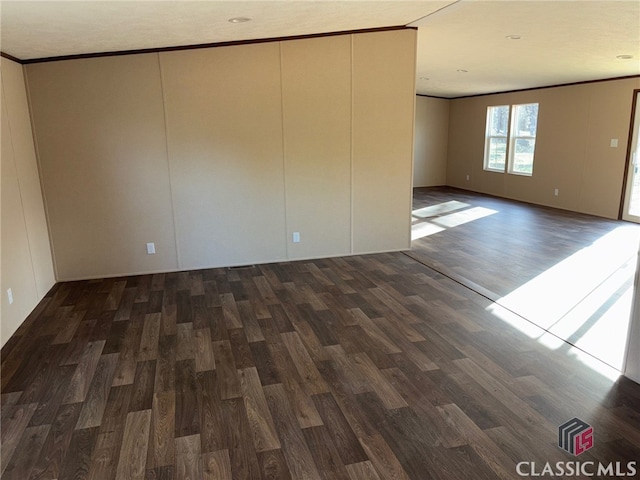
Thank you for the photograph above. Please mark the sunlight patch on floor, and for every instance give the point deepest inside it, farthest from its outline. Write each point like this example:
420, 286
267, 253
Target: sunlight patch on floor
439, 209
438, 222
584, 300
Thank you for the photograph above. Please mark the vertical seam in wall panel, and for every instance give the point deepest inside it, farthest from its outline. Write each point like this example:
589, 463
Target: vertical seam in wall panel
284, 156
24, 219
166, 147
351, 183
40, 178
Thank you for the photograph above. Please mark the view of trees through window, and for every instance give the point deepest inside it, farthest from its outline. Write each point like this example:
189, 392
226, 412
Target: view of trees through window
511, 138
497, 131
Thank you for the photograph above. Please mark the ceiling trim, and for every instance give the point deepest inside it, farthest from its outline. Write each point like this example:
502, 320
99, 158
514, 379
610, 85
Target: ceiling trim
546, 86
204, 45
432, 96
11, 57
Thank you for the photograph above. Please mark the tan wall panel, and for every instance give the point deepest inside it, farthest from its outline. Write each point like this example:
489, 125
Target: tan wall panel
316, 86
431, 136
463, 156
601, 189
575, 126
27, 169
224, 129
100, 130
26, 262
16, 268
383, 116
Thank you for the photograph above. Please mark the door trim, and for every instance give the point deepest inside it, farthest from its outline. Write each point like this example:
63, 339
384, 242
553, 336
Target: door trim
625, 177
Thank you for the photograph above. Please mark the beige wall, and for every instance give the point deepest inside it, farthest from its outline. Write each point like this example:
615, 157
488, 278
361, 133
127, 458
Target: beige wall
219, 155
26, 262
431, 142
100, 131
575, 127
382, 140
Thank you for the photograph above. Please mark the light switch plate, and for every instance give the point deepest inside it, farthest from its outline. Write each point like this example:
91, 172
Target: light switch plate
614, 142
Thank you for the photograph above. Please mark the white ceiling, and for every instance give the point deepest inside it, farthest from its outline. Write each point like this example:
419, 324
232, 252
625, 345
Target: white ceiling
561, 41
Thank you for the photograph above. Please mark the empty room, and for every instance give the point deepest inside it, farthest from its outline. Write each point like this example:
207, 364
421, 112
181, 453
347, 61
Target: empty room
319, 240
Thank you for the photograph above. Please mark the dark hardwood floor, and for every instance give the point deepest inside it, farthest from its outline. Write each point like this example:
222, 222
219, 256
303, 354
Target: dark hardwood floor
568, 273
363, 367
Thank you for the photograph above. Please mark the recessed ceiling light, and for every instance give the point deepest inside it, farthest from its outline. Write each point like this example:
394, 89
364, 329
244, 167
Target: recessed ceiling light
624, 57
513, 37
239, 20
462, 70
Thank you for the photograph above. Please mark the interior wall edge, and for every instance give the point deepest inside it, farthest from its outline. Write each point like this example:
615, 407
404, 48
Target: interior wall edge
37, 152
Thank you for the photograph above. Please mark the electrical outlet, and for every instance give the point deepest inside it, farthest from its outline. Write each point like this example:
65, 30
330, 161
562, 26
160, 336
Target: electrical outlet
614, 143
467, 178
296, 237
10, 296
556, 192
151, 248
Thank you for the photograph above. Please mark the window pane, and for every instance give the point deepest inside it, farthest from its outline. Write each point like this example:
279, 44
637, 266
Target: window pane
525, 120
497, 121
523, 155
497, 153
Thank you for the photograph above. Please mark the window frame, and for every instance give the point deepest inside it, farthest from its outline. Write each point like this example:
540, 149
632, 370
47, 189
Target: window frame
488, 137
510, 140
513, 137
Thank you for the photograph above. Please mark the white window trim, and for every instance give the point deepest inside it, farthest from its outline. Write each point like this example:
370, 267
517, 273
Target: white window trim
487, 141
510, 143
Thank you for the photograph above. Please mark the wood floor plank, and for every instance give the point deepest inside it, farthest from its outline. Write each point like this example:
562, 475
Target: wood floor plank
185, 348
385, 391
494, 458
216, 465
96, 400
203, 345
212, 424
325, 454
148, 349
301, 402
77, 462
187, 411
362, 471
273, 465
230, 311
29, 447
126, 369
161, 431
188, 458
311, 378
294, 447
165, 365
382, 458
143, 386
133, 454
260, 421
81, 380
105, 456
226, 368
242, 454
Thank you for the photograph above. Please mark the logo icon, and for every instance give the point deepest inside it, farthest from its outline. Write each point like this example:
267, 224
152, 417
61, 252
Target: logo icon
575, 436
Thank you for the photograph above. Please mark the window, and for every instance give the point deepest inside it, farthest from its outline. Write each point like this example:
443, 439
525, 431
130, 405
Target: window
495, 154
511, 138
